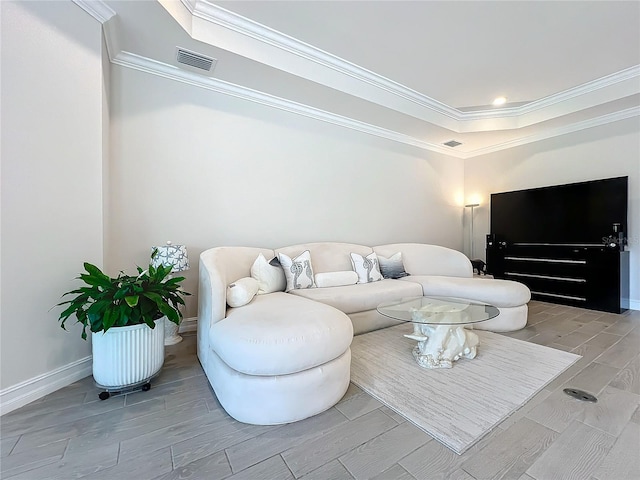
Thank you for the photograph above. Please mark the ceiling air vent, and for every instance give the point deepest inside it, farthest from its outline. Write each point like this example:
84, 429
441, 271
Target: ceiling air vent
193, 59
452, 143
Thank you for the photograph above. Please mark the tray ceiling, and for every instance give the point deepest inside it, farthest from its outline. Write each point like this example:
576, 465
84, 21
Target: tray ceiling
418, 72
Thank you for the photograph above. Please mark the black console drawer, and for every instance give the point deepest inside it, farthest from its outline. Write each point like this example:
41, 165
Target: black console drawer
595, 277
544, 266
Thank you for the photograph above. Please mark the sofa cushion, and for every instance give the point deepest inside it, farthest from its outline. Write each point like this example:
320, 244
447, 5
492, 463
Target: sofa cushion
499, 293
361, 297
328, 256
279, 333
424, 259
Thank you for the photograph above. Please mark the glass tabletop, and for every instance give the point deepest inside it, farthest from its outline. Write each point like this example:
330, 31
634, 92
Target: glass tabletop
438, 310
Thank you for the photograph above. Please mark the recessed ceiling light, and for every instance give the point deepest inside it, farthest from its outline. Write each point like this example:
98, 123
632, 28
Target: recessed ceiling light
499, 101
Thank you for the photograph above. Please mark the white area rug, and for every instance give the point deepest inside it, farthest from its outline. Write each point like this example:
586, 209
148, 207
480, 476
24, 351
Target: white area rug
456, 406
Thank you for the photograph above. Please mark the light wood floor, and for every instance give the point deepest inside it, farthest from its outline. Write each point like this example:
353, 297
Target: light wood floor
177, 430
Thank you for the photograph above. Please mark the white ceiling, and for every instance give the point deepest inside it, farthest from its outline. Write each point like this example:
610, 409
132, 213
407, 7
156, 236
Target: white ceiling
466, 53
420, 72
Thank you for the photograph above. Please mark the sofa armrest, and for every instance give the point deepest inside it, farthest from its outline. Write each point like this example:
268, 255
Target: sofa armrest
212, 298
218, 267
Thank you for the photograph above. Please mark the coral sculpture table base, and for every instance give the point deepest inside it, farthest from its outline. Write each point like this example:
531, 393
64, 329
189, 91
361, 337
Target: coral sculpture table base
438, 326
442, 342
441, 345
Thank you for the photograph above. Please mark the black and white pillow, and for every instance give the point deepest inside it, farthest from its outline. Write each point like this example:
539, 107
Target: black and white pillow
298, 270
367, 267
392, 267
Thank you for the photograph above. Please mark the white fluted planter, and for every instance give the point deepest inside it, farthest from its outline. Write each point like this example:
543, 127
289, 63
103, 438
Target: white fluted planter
125, 356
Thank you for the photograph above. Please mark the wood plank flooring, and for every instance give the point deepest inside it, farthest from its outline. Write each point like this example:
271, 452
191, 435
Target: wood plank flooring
178, 430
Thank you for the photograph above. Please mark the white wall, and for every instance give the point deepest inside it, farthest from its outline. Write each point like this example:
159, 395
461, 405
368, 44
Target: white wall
51, 187
205, 169
611, 150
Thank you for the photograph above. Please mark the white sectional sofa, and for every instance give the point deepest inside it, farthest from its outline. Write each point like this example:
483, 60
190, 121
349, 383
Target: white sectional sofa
283, 357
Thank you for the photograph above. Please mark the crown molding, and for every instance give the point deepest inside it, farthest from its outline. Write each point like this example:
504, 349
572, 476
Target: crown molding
147, 65
153, 67
225, 18
103, 14
215, 14
209, 23
390, 94
97, 9
630, 73
556, 132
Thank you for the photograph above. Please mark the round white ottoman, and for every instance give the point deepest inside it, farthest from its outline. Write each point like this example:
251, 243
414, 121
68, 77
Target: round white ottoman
280, 359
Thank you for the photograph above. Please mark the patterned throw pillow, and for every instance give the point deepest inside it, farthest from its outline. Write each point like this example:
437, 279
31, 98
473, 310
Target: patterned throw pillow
367, 267
392, 267
298, 271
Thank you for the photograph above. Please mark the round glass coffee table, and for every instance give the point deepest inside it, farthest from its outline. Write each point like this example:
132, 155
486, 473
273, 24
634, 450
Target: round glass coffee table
439, 327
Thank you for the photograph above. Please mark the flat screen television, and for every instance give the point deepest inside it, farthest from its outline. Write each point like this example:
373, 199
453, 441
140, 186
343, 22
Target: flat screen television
573, 214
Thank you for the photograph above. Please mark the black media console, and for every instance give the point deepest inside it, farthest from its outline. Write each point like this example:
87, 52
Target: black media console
565, 242
589, 276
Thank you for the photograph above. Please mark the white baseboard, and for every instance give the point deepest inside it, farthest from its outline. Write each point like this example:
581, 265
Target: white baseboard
634, 304
25, 392
17, 396
188, 325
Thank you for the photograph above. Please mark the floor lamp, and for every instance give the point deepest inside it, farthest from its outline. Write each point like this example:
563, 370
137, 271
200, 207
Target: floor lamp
472, 205
174, 256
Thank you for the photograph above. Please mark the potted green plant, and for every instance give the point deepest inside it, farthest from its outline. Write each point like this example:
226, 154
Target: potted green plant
125, 315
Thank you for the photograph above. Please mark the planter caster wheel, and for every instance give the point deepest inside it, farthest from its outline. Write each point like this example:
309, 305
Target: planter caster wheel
104, 395
146, 387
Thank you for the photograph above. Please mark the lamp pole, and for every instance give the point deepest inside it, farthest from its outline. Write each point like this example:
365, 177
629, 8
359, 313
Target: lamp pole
472, 205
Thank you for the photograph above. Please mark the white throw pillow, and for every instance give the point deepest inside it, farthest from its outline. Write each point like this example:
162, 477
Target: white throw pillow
336, 279
367, 267
241, 291
270, 279
392, 267
298, 271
